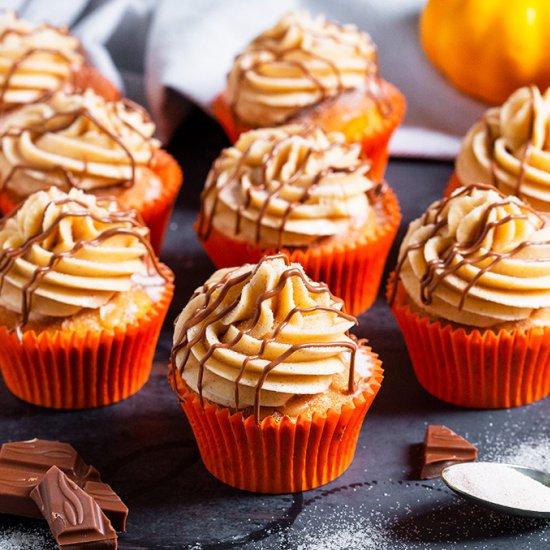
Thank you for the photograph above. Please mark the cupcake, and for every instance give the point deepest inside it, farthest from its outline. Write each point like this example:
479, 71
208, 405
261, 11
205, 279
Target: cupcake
509, 147
471, 294
273, 385
82, 300
306, 193
314, 71
83, 141
37, 60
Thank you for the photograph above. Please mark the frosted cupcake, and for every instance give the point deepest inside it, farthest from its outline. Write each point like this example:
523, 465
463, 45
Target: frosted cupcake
273, 385
82, 300
509, 147
312, 70
309, 194
37, 60
471, 294
83, 141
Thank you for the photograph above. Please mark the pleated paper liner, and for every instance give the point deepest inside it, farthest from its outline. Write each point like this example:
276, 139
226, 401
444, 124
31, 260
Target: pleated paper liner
353, 270
355, 114
454, 184
79, 370
155, 213
282, 456
477, 369
88, 76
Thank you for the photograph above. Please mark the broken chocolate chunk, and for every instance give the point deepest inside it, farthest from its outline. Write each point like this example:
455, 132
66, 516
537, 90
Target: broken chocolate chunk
75, 518
443, 447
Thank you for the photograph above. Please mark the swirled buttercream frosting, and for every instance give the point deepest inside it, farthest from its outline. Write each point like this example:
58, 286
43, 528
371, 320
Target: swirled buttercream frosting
509, 147
478, 258
34, 60
75, 140
258, 335
63, 252
299, 62
287, 186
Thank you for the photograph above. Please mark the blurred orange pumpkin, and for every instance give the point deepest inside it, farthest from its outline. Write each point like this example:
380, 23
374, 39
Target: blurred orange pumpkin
489, 48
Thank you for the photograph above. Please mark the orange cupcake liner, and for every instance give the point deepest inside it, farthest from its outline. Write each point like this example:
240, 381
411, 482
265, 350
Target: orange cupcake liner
477, 369
83, 369
360, 121
88, 76
276, 457
156, 214
353, 271
453, 185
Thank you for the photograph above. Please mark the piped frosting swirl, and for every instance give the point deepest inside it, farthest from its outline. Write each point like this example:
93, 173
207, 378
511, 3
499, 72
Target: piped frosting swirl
509, 147
287, 186
75, 140
62, 252
478, 258
34, 60
258, 335
299, 62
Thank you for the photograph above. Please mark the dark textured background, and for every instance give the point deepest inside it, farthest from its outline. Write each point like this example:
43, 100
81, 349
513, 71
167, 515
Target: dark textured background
144, 447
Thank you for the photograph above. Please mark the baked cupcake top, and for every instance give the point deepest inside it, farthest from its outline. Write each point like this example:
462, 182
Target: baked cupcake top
288, 186
75, 140
299, 62
509, 147
478, 258
264, 336
63, 252
34, 60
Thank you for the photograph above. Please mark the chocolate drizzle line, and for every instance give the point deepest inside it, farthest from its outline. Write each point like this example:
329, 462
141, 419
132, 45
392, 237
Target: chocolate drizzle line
44, 127
440, 268
208, 314
9, 256
372, 78
490, 140
17, 63
205, 222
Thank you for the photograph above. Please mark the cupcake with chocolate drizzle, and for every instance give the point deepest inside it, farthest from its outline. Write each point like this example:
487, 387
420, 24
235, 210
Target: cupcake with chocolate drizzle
82, 300
509, 147
471, 294
306, 193
82, 141
311, 70
38, 60
274, 386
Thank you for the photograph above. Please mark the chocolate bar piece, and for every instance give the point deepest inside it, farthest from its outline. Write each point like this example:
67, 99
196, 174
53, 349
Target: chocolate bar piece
39, 455
443, 447
23, 465
109, 502
15, 489
75, 518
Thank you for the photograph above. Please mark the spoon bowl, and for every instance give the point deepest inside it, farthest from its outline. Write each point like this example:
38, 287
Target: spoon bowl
465, 480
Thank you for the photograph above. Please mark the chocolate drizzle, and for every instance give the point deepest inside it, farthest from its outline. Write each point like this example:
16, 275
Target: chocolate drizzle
62, 120
205, 222
9, 256
211, 312
438, 269
372, 78
490, 141
18, 63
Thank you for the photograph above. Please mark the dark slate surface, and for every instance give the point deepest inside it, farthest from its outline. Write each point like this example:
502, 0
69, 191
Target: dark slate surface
145, 449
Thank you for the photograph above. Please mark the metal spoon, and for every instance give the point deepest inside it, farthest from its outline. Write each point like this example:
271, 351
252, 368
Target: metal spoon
465, 489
